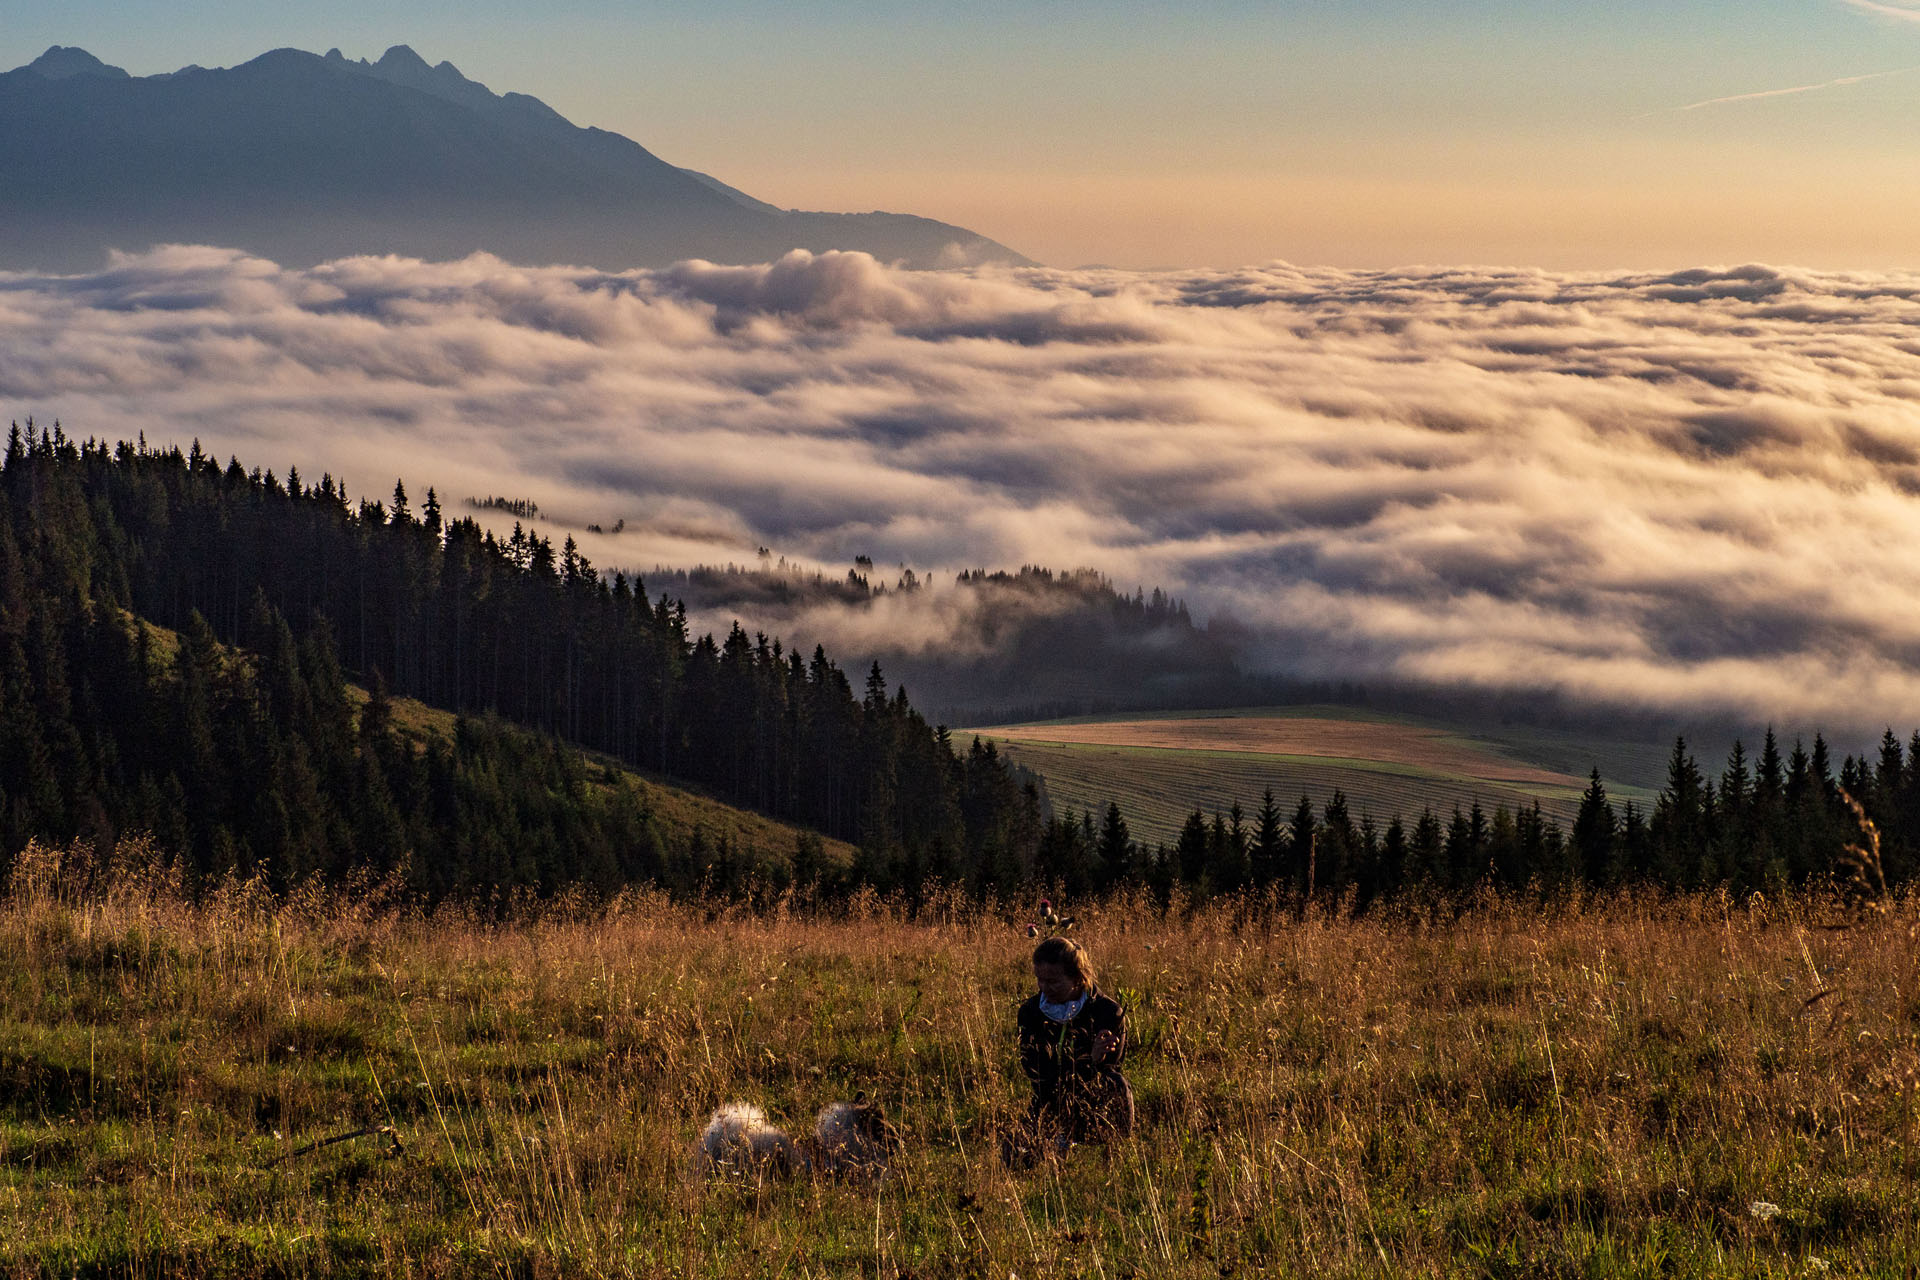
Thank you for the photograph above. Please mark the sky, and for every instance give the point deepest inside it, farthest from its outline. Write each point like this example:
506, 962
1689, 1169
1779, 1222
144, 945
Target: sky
1561, 134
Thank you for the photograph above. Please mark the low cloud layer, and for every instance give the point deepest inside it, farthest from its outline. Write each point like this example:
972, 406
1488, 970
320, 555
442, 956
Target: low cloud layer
1697, 491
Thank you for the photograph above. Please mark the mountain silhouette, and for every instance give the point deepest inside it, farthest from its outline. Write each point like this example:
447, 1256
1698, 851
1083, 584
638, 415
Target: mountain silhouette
302, 157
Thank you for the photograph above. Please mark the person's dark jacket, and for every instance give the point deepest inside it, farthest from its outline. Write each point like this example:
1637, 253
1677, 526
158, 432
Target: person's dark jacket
1056, 1053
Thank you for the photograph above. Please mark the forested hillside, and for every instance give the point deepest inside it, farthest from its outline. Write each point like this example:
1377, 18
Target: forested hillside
263, 763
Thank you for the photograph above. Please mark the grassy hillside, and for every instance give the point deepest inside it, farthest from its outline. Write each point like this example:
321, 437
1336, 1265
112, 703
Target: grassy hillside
679, 811
1621, 1090
1160, 765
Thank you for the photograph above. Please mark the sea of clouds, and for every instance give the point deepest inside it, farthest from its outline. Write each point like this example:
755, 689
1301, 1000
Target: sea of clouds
1697, 491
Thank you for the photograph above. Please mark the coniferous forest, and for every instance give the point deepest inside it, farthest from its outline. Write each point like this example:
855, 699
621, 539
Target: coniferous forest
241, 744
180, 641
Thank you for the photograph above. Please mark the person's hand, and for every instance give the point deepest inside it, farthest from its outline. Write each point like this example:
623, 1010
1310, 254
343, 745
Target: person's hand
1105, 1045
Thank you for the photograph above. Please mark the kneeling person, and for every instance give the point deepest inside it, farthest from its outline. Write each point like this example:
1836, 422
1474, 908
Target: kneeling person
1072, 1042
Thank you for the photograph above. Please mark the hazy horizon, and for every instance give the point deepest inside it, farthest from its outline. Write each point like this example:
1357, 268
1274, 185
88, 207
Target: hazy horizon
1640, 137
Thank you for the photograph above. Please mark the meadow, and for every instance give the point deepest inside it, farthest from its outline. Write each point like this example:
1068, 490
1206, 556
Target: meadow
1628, 1087
1160, 766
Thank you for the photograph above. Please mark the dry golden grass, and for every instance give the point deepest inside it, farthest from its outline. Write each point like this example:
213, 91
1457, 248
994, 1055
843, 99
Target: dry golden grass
1616, 1088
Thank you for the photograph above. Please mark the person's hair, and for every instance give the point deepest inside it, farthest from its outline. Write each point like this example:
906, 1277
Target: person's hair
1067, 955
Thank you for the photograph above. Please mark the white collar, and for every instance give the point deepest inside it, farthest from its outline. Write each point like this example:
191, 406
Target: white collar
1066, 1012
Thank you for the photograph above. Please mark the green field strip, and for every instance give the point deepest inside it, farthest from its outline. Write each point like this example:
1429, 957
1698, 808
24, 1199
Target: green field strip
1617, 793
1633, 769
1156, 789
1158, 786
1316, 711
1400, 767
1636, 768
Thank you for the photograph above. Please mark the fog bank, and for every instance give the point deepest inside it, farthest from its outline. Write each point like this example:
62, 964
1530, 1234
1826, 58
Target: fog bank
1694, 492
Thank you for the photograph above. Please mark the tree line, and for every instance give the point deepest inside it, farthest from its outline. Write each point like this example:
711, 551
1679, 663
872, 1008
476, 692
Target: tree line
1763, 824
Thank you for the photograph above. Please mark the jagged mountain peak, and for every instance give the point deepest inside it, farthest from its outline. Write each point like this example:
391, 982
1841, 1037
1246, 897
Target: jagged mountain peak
402, 55
403, 66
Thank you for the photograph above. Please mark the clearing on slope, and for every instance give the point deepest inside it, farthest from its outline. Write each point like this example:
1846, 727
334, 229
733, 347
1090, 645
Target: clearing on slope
679, 811
1161, 766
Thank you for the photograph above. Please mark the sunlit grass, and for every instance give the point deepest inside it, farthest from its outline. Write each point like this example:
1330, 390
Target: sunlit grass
1610, 1089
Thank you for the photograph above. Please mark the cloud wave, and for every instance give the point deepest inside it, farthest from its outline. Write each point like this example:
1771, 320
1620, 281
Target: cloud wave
1697, 491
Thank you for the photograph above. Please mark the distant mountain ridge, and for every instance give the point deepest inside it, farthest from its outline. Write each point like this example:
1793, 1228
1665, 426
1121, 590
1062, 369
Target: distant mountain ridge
303, 157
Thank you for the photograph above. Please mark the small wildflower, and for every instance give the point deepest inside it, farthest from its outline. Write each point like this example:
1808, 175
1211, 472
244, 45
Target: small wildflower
1818, 1264
1764, 1210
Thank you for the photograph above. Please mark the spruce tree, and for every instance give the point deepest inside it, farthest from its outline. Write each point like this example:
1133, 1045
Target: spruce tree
1269, 850
1190, 851
1679, 826
1116, 848
1302, 835
1595, 833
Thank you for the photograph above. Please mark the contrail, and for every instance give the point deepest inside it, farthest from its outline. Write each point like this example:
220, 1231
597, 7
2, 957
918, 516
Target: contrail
1906, 12
1801, 88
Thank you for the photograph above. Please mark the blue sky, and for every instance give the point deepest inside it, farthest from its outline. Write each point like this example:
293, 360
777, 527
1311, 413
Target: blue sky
1359, 134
